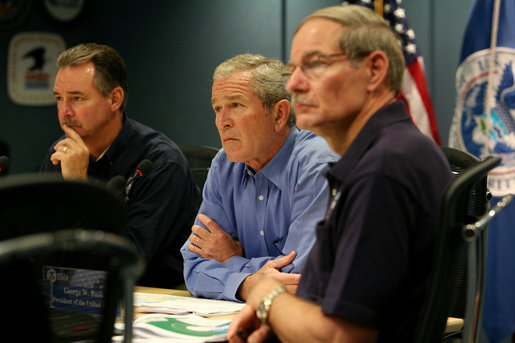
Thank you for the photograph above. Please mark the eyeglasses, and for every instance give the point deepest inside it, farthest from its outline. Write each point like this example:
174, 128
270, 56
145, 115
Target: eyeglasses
315, 66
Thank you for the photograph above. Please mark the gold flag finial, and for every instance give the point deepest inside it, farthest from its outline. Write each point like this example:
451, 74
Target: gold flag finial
378, 6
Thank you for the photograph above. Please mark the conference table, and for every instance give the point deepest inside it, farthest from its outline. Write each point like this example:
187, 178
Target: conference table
453, 324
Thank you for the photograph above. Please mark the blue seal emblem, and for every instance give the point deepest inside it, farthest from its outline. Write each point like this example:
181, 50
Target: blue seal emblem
51, 275
484, 132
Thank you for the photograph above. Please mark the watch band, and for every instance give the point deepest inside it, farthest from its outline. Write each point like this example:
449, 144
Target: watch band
266, 303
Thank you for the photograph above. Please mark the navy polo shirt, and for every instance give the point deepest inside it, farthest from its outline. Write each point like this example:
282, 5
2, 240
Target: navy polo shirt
375, 246
162, 204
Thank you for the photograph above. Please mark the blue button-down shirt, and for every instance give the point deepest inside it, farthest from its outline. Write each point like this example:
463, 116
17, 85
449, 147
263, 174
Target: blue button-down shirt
271, 213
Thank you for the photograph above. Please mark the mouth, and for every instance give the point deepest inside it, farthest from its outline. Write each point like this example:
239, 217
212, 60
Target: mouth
301, 102
228, 140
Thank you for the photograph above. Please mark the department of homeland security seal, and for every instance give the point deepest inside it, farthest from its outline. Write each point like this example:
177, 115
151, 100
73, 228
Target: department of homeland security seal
480, 133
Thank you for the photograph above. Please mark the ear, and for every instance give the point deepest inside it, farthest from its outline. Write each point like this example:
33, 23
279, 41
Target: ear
116, 98
281, 112
377, 63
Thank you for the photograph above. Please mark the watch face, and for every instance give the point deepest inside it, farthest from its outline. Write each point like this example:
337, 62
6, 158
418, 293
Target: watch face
261, 312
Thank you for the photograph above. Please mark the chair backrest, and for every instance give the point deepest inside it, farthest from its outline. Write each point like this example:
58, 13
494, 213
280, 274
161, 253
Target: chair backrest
33, 303
463, 201
31, 203
45, 204
199, 159
472, 208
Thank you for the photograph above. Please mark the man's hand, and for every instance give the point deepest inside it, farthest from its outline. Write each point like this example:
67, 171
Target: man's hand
73, 155
271, 269
246, 327
214, 244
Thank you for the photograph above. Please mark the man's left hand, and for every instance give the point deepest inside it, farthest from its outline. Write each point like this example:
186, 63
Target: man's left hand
214, 243
73, 154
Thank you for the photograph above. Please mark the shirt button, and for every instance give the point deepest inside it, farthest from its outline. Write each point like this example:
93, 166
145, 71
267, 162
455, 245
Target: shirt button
248, 172
261, 197
261, 233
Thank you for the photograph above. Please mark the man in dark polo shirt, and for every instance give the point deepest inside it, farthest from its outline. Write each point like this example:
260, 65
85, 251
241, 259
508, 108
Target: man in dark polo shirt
100, 142
365, 276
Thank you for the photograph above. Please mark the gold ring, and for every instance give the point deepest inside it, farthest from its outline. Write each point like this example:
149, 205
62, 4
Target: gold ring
65, 149
198, 241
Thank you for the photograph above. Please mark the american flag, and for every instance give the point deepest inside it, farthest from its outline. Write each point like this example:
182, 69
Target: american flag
414, 90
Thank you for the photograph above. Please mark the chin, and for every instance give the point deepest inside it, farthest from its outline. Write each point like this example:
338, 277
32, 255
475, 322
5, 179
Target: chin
305, 124
231, 156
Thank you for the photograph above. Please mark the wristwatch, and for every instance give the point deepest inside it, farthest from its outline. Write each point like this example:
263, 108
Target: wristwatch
264, 306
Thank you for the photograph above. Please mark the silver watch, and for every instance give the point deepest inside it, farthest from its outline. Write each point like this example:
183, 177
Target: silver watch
264, 306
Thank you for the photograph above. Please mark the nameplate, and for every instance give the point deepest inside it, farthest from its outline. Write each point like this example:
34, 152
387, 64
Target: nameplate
76, 290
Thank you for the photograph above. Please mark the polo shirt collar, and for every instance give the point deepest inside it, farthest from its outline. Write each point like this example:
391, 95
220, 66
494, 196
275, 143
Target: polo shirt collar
386, 116
121, 141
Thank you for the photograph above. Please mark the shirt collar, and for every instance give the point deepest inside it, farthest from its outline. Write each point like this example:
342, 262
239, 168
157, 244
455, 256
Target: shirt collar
386, 116
273, 169
121, 141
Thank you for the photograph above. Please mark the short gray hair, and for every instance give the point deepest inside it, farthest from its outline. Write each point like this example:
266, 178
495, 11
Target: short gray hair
364, 31
110, 70
269, 78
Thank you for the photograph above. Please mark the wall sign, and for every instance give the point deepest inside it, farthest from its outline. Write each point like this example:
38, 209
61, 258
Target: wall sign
13, 12
64, 10
31, 67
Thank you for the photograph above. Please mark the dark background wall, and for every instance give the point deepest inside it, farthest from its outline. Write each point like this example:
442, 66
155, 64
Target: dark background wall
172, 47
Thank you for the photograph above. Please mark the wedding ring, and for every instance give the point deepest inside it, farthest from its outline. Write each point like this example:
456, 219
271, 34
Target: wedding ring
65, 149
198, 240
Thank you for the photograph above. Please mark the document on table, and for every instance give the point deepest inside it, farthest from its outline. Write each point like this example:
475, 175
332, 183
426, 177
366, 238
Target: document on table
173, 304
179, 328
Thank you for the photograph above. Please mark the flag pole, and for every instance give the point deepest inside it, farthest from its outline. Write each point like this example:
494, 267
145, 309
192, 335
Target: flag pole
491, 65
378, 7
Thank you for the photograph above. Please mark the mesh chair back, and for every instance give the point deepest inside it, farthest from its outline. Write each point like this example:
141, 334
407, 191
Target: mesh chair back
36, 320
199, 159
454, 213
31, 203
471, 206
45, 204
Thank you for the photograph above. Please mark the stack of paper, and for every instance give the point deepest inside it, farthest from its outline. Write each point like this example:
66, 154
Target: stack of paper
179, 328
172, 304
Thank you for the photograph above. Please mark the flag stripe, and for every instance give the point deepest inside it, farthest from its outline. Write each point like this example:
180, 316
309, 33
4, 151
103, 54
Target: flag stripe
416, 95
427, 117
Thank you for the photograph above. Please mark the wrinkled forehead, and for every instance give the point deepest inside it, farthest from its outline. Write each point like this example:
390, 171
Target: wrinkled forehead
236, 86
316, 36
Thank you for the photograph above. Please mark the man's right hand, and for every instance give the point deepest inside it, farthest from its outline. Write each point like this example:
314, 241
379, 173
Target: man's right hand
73, 154
271, 269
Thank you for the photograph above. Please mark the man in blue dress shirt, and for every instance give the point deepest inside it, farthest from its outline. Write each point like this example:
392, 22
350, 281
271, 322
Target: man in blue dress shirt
265, 189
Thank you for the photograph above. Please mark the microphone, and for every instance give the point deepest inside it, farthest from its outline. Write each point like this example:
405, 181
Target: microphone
4, 163
116, 184
142, 169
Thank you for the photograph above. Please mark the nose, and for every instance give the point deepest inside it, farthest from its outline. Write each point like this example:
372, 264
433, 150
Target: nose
64, 108
224, 119
297, 83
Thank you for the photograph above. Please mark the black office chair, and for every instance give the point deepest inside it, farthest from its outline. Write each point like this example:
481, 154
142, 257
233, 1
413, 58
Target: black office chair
38, 204
199, 159
27, 304
32, 203
464, 201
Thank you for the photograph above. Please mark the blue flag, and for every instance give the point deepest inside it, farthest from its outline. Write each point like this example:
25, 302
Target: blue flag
484, 124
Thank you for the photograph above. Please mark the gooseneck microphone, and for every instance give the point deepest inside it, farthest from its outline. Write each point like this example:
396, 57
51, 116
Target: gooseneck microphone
4, 163
142, 169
